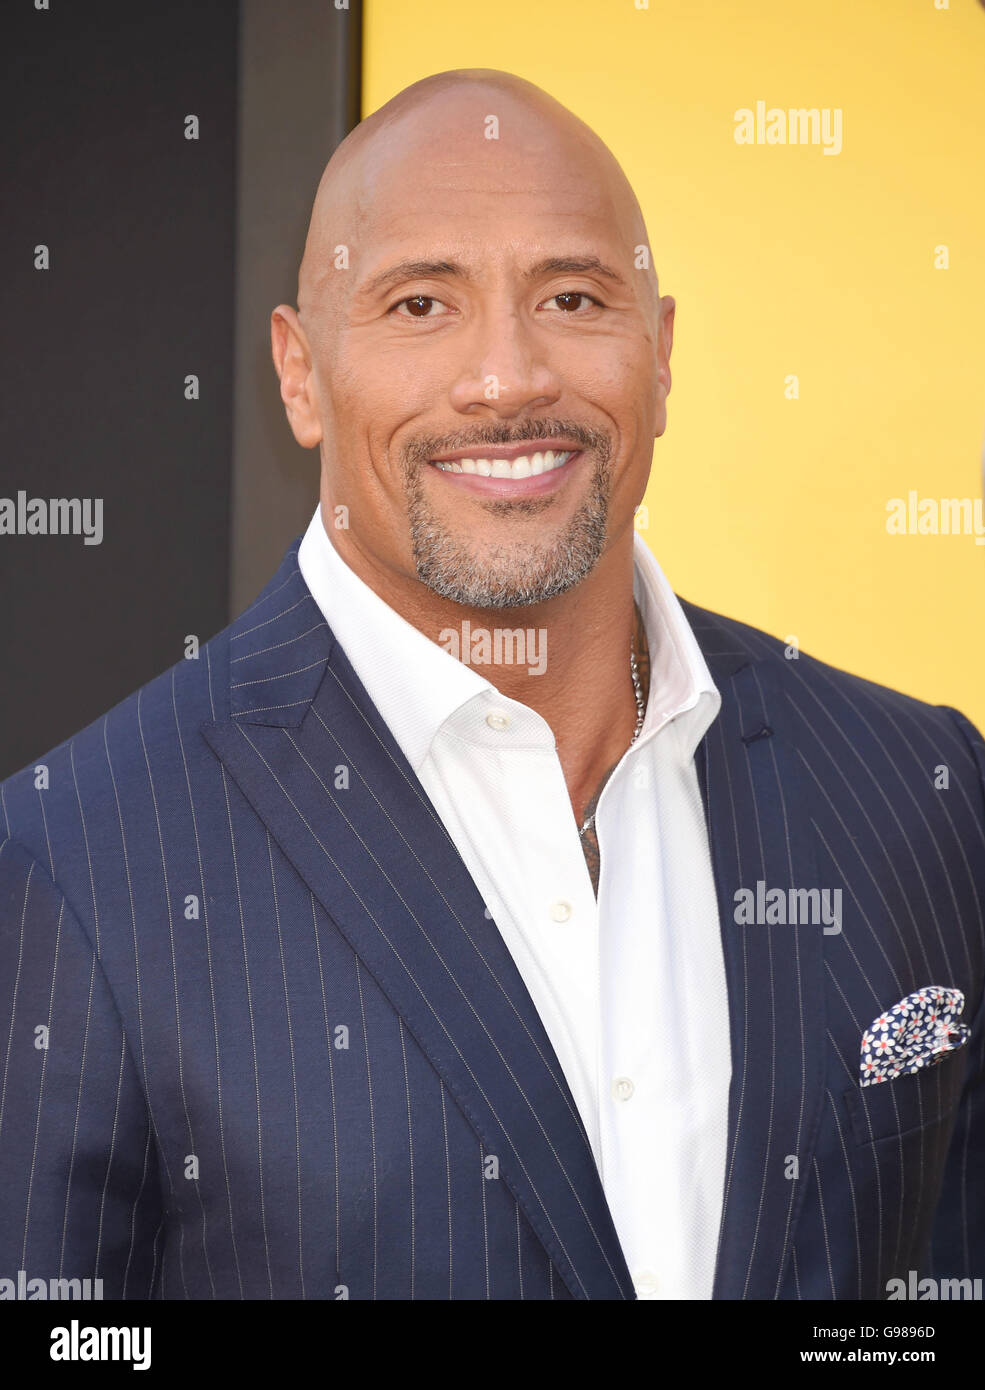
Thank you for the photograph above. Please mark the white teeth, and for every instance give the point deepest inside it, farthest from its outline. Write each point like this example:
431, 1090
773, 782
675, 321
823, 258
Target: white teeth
526, 466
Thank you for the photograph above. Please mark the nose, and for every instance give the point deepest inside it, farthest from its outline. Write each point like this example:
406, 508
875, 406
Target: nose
504, 371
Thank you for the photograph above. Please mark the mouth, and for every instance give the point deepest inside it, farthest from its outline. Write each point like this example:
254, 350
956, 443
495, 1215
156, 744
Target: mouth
517, 471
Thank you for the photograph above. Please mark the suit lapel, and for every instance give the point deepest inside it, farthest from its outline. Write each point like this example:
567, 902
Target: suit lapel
760, 832
308, 749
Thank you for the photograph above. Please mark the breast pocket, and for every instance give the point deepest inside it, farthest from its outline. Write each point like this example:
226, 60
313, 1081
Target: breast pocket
890, 1109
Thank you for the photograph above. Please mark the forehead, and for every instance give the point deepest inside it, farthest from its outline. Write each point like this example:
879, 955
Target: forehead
440, 179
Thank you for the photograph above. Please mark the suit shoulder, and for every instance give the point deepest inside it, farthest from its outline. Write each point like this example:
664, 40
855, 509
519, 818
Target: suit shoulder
810, 678
157, 722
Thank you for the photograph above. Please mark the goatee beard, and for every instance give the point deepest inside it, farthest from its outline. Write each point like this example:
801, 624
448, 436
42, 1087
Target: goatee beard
509, 576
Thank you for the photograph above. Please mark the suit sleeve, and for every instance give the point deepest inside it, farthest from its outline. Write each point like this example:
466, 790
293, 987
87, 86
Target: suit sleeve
79, 1189
958, 1237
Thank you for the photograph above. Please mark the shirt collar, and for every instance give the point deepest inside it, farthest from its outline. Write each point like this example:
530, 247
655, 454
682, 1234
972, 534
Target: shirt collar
417, 685
681, 686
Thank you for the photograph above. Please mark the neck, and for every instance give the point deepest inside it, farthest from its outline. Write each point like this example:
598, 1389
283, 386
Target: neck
574, 655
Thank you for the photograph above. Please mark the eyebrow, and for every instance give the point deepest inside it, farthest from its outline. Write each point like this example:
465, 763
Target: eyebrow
550, 265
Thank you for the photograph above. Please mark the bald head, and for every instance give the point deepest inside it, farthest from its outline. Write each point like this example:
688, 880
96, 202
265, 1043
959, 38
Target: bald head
476, 123
477, 279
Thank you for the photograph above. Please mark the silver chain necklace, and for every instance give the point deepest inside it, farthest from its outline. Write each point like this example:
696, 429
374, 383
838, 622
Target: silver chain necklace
634, 671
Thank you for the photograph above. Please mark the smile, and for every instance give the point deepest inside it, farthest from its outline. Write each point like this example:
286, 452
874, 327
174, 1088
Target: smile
525, 466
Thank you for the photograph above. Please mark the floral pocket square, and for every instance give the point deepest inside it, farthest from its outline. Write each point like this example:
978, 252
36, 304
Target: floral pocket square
917, 1032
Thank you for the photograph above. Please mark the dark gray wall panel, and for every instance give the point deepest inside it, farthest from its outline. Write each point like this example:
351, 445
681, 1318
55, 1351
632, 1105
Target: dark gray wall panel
299, 96
150, 280
140, 225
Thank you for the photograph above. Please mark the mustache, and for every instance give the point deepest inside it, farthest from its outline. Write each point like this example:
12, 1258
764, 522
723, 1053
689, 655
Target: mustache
423, 449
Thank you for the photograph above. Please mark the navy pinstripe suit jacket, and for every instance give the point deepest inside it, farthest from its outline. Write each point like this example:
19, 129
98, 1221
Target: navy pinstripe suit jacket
259, 1039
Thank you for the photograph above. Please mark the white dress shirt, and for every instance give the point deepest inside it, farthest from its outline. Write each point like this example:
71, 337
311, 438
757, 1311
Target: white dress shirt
630, 987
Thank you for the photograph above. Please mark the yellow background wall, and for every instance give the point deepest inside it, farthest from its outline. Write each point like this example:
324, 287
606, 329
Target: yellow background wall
784, 260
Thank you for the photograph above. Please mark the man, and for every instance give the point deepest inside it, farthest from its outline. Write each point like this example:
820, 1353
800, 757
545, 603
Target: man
473, 918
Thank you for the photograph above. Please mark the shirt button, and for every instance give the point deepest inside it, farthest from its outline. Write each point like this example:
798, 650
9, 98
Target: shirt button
498, 720
645, 1283
622, 1088
561, 911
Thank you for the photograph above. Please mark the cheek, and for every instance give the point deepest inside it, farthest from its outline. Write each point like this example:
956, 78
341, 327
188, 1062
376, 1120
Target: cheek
369, 401
357, 382
373, 391
619, 370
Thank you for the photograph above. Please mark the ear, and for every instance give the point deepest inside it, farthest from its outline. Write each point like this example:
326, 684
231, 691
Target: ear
292, 361
665, 341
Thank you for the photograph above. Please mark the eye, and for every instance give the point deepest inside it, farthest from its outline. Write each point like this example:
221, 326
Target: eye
565, 301
419, 307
